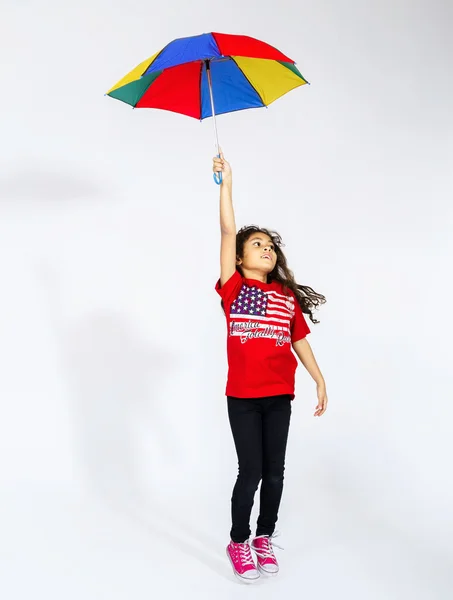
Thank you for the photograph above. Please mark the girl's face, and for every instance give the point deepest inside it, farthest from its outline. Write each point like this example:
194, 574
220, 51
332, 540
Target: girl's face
259, 254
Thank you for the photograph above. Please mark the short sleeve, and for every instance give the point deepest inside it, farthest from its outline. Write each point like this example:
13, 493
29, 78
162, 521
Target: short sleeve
228, 292
299, 327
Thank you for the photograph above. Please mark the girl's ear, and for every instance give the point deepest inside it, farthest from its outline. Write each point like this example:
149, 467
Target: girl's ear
238, 260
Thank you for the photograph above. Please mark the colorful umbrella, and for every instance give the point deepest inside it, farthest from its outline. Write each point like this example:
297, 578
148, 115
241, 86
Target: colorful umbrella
209, 74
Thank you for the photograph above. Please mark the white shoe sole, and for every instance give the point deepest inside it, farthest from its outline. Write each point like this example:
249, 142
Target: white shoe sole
267, 573
242, 579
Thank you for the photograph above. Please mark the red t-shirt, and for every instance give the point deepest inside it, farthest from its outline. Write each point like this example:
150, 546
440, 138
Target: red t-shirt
263, 323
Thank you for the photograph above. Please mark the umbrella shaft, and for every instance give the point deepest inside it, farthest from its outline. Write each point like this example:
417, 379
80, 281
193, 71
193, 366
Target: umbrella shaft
208, 72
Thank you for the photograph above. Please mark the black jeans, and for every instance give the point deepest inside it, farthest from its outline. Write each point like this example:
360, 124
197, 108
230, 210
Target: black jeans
260, 431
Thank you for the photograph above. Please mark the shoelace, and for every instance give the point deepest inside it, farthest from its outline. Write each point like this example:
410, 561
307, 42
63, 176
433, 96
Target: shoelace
245, 554
267, 551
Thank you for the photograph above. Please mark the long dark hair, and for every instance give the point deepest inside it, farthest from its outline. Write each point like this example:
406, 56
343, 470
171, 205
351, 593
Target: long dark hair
307, 298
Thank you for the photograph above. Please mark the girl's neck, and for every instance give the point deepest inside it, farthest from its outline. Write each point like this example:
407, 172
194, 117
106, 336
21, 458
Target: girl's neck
255, 276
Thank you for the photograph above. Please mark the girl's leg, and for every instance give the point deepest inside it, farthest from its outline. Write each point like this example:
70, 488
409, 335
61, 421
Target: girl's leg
276, 419
246, 426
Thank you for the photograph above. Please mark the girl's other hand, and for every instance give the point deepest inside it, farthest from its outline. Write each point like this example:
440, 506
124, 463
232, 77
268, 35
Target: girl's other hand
322, 400
221, 165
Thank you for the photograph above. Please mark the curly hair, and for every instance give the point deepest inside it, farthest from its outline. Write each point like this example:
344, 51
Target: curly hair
307, 298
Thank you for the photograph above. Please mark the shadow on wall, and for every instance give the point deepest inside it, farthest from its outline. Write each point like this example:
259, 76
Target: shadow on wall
113, 377
48, 185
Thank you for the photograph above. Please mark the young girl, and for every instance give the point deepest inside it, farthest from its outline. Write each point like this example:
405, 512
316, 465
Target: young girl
264, 311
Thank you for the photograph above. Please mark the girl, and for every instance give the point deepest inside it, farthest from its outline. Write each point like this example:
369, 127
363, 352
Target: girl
264, 310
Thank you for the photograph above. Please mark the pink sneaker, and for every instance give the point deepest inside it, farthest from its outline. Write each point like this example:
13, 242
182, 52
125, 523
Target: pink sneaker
241, 559
267, 561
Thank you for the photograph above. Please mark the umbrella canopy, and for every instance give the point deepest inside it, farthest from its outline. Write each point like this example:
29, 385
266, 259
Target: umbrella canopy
241, 73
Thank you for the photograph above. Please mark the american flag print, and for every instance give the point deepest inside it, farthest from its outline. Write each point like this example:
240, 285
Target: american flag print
261, 314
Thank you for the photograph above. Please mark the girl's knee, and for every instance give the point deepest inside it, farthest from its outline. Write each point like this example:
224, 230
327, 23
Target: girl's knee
273, 478
250, 475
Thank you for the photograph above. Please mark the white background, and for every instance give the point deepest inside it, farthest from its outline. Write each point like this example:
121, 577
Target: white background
116, 458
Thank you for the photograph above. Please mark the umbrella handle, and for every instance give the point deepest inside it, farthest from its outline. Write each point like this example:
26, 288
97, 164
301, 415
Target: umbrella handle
218, 176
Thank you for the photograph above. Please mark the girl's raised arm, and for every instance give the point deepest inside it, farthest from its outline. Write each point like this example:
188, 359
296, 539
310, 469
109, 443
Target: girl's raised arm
227, 221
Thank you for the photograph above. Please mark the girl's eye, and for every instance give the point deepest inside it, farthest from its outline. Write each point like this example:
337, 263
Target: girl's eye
259, 244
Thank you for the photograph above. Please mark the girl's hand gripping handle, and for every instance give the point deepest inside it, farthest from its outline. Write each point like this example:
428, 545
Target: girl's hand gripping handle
218, 175
222, 169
